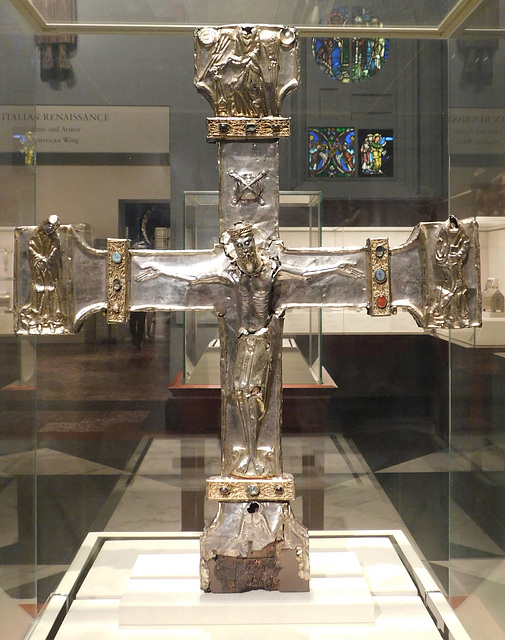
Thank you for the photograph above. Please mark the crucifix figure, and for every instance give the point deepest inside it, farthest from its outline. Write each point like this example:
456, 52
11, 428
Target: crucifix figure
249, 284
249, 279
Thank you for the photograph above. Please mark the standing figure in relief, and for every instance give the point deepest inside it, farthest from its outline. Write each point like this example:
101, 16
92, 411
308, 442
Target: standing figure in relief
46, 306
242, 70
451, 294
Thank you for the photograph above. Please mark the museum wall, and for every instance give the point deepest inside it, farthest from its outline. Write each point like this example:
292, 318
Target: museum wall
406, 96
495, 254
477, 148
17, 86
65, 190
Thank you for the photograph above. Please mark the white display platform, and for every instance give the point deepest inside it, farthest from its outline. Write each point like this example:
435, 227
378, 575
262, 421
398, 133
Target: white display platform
295, 369
88, 603
491, 334
164, 590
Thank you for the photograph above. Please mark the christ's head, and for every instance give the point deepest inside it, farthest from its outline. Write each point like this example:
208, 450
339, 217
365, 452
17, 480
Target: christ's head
248, 258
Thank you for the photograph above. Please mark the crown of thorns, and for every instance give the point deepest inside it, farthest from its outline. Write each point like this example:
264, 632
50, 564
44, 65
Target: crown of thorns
240, 230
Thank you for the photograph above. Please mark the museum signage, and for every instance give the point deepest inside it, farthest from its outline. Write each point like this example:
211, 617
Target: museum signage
85, 129
476, 131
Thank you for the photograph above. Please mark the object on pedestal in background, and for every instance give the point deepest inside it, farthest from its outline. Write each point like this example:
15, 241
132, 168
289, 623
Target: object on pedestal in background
55, 50
492, 298
248, 280
137, 328
137, 321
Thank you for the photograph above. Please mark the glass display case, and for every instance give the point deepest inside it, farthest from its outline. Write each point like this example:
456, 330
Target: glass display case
6, 279
100, 124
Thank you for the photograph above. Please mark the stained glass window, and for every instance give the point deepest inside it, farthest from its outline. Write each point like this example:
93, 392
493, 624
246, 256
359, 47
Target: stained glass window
331, 152
351, 59
375, 152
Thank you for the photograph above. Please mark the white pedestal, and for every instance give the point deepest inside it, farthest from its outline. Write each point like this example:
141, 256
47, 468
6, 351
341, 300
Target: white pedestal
113, 572
165, 590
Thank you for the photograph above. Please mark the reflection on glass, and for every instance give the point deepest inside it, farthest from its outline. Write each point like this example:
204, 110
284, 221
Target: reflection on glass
201, 12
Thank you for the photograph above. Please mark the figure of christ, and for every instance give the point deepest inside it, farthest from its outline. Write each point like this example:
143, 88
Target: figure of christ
252, 274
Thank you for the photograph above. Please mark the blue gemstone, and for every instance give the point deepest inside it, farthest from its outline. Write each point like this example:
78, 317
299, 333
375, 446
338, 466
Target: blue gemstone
380, 275
116, 257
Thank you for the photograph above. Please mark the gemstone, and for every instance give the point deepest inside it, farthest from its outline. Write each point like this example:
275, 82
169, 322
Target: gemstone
116, 284
382, 302
380, 275
379, 251
253, 490
250, 127
224, 490
279, 488
224, 127
116, 257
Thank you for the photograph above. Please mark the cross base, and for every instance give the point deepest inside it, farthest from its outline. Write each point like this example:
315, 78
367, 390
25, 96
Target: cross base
274, 568
254, 545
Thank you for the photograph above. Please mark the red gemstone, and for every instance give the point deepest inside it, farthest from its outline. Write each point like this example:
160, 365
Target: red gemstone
382, 302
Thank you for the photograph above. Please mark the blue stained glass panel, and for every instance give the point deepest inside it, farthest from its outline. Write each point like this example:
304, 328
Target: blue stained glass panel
351, 59
331, 152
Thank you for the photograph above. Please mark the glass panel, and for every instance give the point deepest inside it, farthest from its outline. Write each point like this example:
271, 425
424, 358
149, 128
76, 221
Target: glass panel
477, 462
488, 15
18, 443
121, 147
127, 449
200, 12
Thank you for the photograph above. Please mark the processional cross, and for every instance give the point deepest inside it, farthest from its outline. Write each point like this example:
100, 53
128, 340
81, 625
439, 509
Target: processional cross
249, 279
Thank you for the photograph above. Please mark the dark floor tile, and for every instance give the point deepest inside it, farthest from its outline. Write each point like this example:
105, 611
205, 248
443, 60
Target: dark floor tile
463, 551
422, 500
387, 442
68, 508
43, 589
111, 453
482, 496
442, 575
